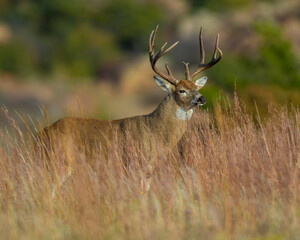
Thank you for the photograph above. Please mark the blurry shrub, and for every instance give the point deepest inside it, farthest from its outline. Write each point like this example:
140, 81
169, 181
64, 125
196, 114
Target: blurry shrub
274, 68
211, 92
219, 5
84, 50
224, 5
130, 22
276, 61
16, 57
75, 36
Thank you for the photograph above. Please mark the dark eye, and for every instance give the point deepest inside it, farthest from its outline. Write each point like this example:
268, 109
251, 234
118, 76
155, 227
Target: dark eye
182, 91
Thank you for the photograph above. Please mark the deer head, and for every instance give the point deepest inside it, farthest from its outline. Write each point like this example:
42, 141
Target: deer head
184, 92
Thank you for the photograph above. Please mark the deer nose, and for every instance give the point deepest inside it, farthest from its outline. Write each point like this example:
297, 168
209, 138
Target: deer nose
201, 100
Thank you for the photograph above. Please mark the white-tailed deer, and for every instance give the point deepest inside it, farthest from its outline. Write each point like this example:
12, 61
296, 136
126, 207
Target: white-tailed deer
166, 124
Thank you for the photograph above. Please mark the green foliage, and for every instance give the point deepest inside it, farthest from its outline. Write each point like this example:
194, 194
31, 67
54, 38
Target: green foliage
274, 65
276, 62
76, 36
130, 22
16, 57
218, 5
84, 50
223, 5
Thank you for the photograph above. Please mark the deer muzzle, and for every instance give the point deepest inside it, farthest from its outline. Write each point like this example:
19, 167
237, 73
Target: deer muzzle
199, 101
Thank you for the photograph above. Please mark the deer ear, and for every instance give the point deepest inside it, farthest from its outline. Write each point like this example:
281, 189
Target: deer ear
200, 82
163, 84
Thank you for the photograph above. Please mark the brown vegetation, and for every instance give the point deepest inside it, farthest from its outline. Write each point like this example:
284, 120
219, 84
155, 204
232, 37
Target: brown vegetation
235, 177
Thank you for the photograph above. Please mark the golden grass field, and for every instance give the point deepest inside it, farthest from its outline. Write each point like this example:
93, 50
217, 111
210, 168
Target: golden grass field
235, 177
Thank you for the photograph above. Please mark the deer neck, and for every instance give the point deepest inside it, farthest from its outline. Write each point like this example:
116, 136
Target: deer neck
169, 120
168, 109
170, 115
183, 114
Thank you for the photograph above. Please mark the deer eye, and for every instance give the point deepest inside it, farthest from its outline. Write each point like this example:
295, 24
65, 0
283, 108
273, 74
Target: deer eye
182, 91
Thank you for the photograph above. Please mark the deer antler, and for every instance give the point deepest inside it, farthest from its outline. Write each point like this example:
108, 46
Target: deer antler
153, 59
203, 66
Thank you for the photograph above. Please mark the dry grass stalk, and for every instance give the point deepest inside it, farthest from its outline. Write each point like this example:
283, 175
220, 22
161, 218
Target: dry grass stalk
235, 176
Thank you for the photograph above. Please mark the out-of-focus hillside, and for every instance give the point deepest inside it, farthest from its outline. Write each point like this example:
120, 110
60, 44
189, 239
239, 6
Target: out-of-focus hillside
91, 58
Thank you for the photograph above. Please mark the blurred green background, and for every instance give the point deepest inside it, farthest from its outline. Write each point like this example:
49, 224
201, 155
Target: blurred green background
77, 57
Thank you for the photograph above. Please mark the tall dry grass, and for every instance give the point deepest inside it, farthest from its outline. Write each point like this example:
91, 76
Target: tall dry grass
234, 176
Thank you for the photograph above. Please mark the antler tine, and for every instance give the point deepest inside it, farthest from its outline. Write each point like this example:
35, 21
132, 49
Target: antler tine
202, 53
169, 71
217, 48
203, 66
151, 42
153, 59
187, 71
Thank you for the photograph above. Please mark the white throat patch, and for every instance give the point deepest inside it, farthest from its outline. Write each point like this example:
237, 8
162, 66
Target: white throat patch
181, 114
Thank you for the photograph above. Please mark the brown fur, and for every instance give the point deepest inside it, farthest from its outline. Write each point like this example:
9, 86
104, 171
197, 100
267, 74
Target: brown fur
89, 136
188, 84
97, 139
